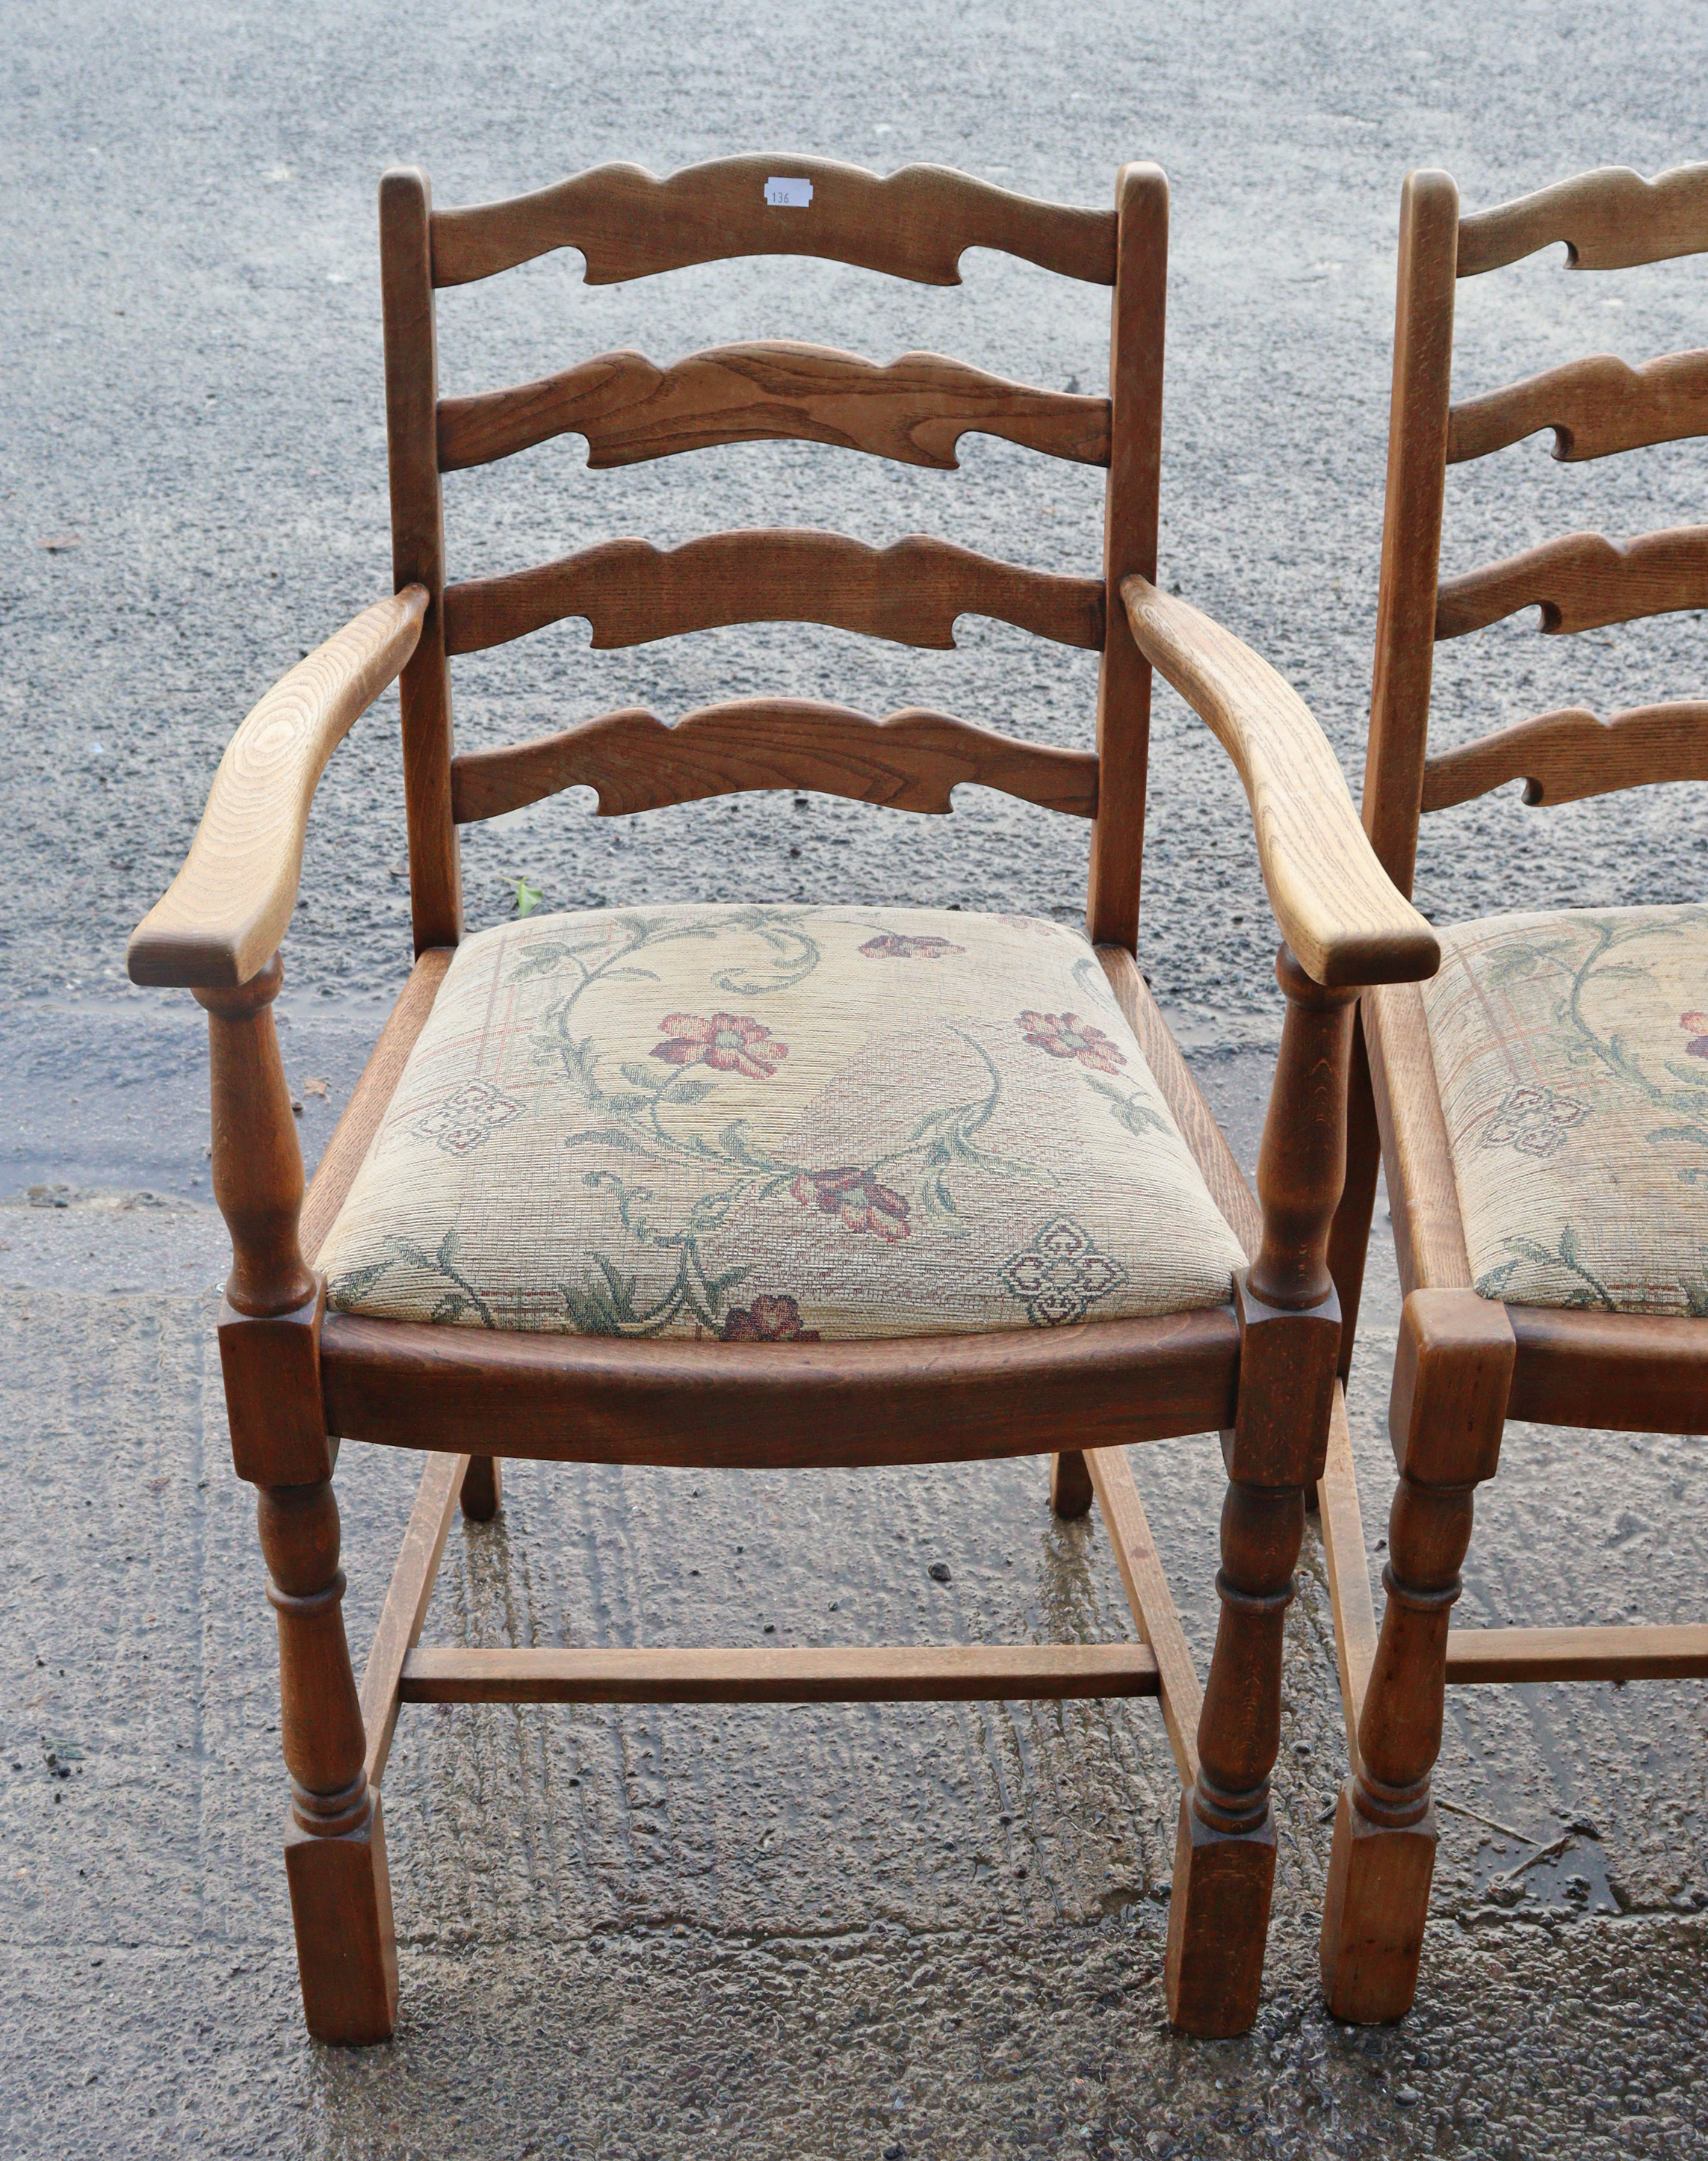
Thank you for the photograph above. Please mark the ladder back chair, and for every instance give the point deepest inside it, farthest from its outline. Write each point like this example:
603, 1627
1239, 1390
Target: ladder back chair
1537, 1105
776, 1186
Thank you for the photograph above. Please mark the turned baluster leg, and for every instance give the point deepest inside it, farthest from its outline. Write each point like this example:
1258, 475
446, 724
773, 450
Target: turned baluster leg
1453, 1372
269, 1334
1289, 1340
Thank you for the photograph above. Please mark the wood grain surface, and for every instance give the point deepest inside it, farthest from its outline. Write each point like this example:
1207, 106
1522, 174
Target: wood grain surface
1211, 1152
1429, 1231
353, 1134
951, 1673
1594, 408
915, 223
1610, 220
405, 1609
1607, 1653
911, 760
1627, 1373
1563, 756
913, 1399
915, 410
1337, 910
1138, 324
1152, 1605
1341, 1523
1582, 581
1411, 522
223, 916
910, 593
418, 549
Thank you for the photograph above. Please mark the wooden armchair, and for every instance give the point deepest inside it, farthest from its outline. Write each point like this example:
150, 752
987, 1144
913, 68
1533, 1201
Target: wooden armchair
1537, 1105
785, 1186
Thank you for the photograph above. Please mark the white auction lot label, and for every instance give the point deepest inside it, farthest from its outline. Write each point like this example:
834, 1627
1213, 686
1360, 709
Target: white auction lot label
789, 195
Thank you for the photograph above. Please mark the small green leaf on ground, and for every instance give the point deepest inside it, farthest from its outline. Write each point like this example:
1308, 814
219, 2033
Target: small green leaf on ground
527, 897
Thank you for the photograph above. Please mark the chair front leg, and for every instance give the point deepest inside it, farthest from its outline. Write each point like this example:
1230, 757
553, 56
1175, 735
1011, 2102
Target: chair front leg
1453, 1374
1289, 1341
269, 1334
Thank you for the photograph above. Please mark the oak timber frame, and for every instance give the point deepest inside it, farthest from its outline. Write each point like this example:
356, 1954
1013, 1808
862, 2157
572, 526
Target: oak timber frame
1260, 1370
1466, 1364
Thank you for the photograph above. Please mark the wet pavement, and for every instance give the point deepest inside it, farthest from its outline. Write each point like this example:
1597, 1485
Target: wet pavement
848, 1931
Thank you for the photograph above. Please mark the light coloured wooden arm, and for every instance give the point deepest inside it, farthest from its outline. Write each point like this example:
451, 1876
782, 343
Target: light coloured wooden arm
221, 919
1343, 920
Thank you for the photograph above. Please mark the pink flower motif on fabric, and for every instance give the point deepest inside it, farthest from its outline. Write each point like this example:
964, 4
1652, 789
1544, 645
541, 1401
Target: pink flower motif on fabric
903, 945
857, 1198
1066, 1035
1695, 1026
768, 1320
729, 1043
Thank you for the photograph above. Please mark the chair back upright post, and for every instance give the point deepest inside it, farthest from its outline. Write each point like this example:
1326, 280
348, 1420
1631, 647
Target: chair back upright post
1411, 526
1137, 323
418, 549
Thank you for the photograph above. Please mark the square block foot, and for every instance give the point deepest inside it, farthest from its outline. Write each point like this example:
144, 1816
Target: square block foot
1373, 1913
1218, 1926
346, 1950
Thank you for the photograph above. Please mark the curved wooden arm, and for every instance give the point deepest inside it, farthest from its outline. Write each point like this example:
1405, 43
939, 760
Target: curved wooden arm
1345, 922
222, 917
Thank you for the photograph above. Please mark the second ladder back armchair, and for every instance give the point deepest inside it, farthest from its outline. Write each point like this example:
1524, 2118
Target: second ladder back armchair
1541, 1106
777, 1186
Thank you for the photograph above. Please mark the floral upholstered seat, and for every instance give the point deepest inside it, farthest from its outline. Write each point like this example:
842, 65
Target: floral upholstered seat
1572, 1053
772, 1122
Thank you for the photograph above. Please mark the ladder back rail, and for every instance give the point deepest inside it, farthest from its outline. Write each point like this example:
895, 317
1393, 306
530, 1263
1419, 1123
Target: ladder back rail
1566, 756
911, 760
914, 223
1583, 581
418, 550
911, 592
915, 410
1130, 512
1612, 219
1595, 407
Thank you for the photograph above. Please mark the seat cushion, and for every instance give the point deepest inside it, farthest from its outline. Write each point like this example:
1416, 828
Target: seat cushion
767, 1123
1572, 1053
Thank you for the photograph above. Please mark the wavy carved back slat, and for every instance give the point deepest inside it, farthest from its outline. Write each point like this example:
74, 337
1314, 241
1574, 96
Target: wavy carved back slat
910, 761
915, 224
1610, 220
1563, 756
632, 593
915, 410
1595, 407
1581, 582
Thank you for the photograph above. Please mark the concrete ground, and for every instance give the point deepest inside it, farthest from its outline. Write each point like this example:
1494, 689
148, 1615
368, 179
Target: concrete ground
839, 1932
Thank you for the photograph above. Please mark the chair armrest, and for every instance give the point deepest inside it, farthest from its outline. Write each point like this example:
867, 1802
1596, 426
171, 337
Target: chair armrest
222, 917
1345, 921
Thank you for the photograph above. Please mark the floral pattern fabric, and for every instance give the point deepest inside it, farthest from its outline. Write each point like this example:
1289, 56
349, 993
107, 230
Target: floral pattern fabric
1572, 1054
777, 1124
